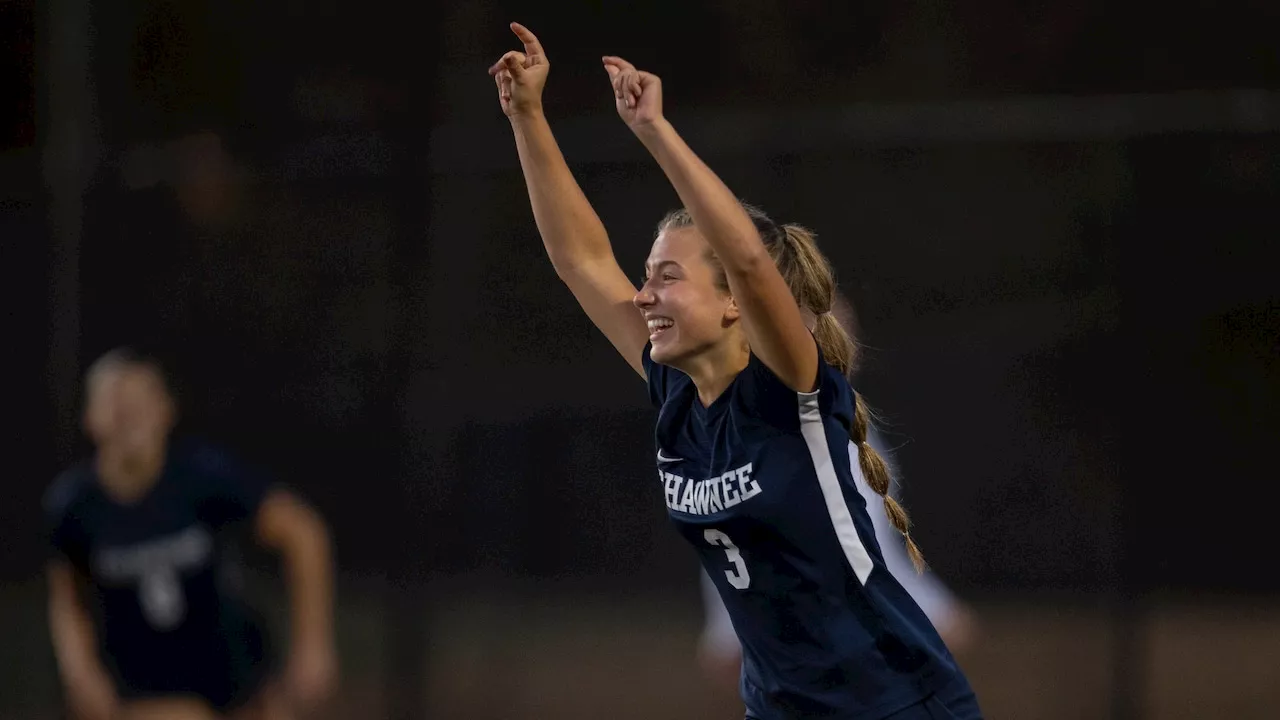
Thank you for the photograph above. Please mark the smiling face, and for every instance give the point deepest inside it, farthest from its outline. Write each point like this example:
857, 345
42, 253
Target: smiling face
684, 298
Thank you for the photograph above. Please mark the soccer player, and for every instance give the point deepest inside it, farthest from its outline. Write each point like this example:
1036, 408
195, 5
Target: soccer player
144, 614
732, 328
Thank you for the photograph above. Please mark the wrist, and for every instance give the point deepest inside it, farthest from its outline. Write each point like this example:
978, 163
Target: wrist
651, 131
527, 115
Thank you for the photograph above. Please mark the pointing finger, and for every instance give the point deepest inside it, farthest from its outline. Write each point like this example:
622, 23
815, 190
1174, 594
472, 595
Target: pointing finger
531, 45
618, 62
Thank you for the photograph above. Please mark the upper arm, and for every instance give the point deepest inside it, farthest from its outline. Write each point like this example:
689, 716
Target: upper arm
64, 529
229, 492
773, 323
62, 583
67, 613
607, 296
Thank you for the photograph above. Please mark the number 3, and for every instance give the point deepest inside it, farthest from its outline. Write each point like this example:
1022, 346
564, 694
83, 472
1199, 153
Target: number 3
738, 575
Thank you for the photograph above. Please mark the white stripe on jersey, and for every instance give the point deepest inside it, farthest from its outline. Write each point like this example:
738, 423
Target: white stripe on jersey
815, 436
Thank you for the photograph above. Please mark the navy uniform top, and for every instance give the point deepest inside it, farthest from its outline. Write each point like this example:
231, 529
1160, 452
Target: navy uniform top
157, 568
760, 484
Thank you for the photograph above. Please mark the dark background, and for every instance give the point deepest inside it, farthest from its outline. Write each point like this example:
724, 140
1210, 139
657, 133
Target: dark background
1057, 222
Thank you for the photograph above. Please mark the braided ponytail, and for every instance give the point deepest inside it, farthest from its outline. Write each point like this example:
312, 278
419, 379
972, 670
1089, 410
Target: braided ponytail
876, 472
812, 282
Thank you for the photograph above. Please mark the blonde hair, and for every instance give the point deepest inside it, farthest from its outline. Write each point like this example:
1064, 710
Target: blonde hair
807, 272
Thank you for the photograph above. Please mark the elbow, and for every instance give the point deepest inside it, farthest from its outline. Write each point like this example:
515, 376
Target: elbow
566, 269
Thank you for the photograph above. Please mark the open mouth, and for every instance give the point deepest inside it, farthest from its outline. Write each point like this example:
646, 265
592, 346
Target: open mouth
658, 326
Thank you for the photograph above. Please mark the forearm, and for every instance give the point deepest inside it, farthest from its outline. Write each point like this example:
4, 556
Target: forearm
716, 211
571, 231
308, 563
75, 647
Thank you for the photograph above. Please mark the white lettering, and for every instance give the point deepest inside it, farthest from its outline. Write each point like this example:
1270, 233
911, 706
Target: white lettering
671, 487
180, 551
731, 496
156, 568
705, 497
746, 484
686, 500
713, 489
700, 498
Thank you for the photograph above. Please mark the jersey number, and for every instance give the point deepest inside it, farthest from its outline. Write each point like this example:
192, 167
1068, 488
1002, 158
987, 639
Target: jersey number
163, 604
737, 575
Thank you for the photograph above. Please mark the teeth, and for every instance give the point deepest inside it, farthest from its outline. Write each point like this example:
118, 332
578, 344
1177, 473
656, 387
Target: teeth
660, 324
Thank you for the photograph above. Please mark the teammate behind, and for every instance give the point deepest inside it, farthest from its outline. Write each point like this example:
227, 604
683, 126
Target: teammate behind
747, 368
145, 618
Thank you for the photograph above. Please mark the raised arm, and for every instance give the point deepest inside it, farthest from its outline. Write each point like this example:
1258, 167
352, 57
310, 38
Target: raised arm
773, 322
572, 233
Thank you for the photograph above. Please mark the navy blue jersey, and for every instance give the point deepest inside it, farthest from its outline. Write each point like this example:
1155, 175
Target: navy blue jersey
162, 590
760, 484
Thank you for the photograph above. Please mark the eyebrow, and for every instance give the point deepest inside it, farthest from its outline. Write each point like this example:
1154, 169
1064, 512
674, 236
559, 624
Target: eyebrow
660, 265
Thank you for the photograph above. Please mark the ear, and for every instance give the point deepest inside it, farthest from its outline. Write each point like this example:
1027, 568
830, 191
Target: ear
731, 312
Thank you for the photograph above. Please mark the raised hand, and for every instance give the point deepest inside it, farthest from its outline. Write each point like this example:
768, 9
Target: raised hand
637, 94
521, 75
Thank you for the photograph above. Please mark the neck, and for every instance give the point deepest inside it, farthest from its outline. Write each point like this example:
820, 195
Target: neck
713, 371
127, 476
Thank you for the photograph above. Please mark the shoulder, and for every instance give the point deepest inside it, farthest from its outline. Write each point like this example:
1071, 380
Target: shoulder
203, 457
768, 397
66, 490
226, 487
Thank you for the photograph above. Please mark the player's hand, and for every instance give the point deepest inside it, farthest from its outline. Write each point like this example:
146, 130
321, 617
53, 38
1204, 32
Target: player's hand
521, 75
637, 94
312, 673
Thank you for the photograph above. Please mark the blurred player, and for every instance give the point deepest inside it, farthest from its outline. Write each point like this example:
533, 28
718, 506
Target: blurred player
747, 366
145, 618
